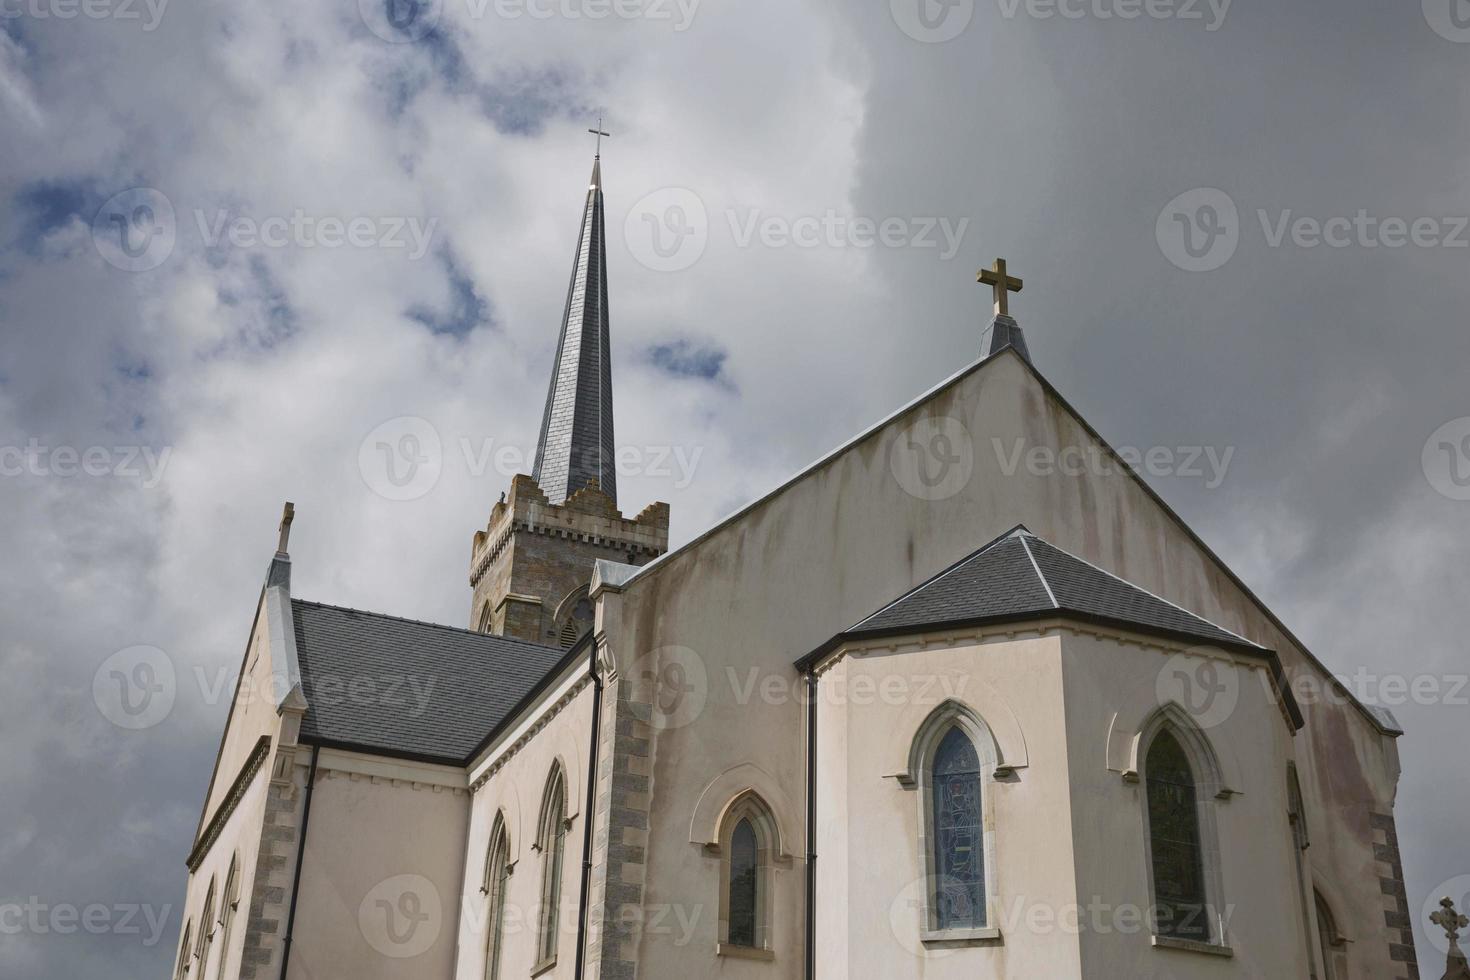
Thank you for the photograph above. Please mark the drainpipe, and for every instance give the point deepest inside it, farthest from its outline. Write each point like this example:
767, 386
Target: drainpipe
589, 805
811, 825
300, 859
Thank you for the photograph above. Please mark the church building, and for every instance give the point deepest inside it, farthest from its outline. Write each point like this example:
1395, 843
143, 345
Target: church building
915, 713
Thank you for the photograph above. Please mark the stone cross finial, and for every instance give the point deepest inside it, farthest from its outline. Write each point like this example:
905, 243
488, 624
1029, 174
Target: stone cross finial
1003, 285
1449, 920
288, 514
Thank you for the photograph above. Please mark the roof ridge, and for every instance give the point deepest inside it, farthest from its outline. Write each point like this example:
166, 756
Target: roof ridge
1023, 535
931, 580
423, 622
1136, 586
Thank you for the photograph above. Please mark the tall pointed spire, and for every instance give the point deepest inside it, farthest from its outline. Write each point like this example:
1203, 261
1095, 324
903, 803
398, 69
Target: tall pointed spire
576, 444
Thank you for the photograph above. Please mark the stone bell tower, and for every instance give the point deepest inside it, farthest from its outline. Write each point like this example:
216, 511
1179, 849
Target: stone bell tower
531, 566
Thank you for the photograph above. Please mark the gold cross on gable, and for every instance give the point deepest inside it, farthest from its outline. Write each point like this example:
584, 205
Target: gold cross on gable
599, 133
1002, 285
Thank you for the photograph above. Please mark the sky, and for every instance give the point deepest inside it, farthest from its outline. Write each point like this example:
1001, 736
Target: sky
246, 247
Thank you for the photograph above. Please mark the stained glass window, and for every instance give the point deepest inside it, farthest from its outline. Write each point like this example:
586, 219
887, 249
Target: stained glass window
958, 835
1173, 824
744, 870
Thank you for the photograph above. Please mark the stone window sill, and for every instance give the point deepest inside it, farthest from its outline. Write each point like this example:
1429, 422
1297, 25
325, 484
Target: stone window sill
545, 966
940, 938
744, 952
1192, 946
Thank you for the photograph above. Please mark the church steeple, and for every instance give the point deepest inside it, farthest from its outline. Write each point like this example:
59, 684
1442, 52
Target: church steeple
531, 567
576, 444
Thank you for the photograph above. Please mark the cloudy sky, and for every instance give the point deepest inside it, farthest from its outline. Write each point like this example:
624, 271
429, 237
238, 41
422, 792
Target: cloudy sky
243, 244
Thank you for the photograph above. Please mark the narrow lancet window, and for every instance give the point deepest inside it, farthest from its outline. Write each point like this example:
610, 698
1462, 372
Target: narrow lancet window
958, 835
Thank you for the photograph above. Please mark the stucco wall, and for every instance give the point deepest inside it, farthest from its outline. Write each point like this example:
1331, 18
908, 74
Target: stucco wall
812, 560
382, 870
872, 875
515, 775
238, 838
1112, 688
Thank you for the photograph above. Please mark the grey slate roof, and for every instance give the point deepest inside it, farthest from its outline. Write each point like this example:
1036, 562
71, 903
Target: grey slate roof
405, 688
1004, 332
1020, 576
576, 443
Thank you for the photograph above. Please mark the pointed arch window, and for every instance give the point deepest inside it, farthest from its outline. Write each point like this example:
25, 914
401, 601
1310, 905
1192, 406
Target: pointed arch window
181, 969
487, 619
957, 834
229, 905
206, 931
953, 762
1330, 943
1176, 848
497, 879
748, 845
551, 841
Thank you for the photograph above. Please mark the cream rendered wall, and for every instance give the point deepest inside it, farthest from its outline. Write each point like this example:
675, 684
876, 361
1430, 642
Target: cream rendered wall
380, 830
254, 713
802, 565
510, 779
1112, 685
870, 869
240, 837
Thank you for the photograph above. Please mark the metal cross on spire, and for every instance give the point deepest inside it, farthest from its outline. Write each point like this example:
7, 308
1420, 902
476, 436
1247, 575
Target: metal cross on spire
599, 132
1003, 285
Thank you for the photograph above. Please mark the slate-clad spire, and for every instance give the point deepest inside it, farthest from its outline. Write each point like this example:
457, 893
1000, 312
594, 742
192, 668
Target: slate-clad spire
576, 444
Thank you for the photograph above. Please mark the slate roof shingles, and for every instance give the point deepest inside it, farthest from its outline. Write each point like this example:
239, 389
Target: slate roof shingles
408, 688
1021, 575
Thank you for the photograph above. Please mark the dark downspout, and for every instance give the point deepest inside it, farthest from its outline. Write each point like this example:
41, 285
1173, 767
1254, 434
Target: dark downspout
811, 825
300, 860
590, 807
